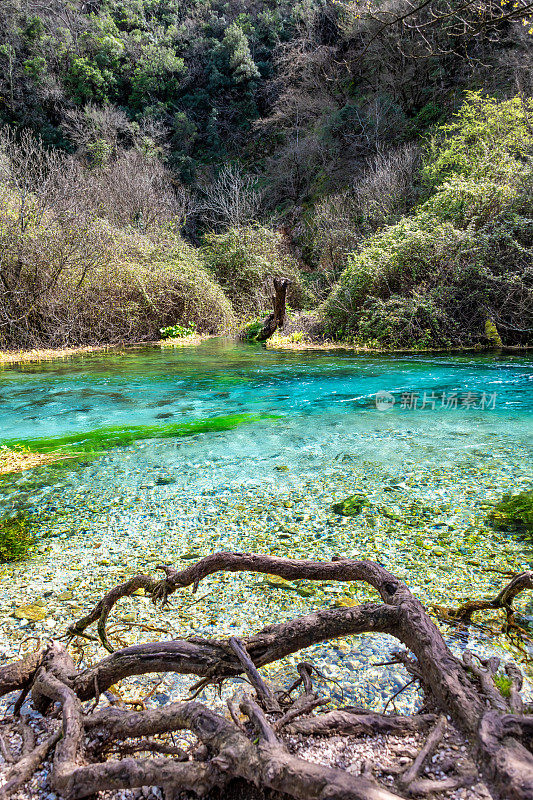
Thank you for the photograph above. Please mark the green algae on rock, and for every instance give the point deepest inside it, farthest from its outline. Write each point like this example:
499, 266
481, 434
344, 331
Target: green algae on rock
350, 506
514, 512
32, 612
15, 538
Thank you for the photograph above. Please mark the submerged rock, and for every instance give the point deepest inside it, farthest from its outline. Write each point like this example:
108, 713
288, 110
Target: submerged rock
351, 505
33, 612
514, 512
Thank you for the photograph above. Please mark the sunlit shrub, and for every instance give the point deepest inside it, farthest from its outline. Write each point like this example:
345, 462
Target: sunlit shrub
83, 281
245, 261
464, 256
178, 331
488, 139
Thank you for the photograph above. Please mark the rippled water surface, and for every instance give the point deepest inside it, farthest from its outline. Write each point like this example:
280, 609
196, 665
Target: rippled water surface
228, 446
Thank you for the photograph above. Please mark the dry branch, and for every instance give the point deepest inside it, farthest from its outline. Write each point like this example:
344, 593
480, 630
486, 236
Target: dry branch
263, 691
430, 745
503, 600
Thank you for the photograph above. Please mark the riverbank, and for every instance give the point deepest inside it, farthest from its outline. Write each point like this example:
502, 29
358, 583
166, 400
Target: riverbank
9, 357
12, 461
288, 343
183, 341
383, 756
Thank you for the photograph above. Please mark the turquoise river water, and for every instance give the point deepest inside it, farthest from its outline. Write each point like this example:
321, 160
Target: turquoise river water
228, 446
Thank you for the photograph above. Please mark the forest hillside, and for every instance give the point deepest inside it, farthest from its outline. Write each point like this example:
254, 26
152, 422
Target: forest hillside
161, 162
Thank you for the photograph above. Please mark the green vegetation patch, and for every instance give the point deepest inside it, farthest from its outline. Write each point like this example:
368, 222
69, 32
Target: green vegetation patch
244, 261
503, 684
117, 436
251, 331
350, 506
15, 538
439, 276
178, 331
514, 512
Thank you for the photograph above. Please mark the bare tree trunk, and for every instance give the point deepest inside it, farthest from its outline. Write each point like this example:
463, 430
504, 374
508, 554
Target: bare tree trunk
277, 318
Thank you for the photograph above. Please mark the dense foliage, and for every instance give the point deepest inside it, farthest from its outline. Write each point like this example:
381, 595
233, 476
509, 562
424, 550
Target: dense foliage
195, 70
244, 261
465, 255
161, 162
302, 92
69, 276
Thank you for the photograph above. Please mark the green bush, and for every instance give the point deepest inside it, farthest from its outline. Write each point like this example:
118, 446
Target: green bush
410, 322
252, 329
85, 281
245, 260
178, 331
148, 286
466, 202
15, 539
434, 278
488, 139
380, 284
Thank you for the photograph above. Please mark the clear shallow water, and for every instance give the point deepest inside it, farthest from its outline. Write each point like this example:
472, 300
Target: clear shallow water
267, 484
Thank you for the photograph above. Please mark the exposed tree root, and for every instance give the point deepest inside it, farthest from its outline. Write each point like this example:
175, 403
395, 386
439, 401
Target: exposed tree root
519, 583
498, 733
361, 724
22, 771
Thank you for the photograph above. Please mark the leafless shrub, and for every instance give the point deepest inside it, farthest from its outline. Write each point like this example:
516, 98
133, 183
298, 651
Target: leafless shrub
385, 187
335, 233
29, 173
69, 276
232, 199
92, 124
102, 133
137, 190
293, 171
384, 190
44, 234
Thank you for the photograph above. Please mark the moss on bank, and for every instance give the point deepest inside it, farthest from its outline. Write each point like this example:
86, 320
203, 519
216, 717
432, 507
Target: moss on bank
15, 538
8, 357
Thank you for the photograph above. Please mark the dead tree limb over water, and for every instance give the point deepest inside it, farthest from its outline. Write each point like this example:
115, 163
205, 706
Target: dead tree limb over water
277, 318
498, 730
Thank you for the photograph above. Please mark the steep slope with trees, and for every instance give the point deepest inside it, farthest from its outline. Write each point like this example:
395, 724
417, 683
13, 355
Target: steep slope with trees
270, 137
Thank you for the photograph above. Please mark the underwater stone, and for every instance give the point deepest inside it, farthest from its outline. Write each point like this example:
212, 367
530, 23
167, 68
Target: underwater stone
514, 512
350, 506
33, 612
